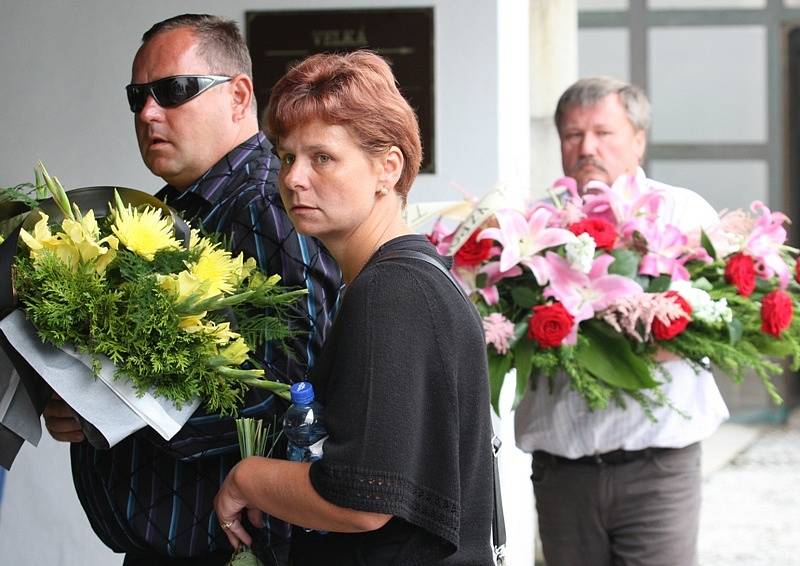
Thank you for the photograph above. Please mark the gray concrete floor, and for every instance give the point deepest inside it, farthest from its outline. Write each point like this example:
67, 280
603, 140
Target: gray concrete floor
751, 496
751, 504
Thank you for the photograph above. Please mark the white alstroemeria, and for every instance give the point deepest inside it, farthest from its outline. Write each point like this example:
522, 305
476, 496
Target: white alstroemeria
704, 308
580, 252
715, 312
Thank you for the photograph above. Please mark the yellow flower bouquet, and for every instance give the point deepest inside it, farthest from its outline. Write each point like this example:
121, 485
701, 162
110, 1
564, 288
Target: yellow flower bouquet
174, 317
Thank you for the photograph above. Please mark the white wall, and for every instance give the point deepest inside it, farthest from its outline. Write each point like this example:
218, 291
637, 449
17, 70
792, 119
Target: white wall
64, 66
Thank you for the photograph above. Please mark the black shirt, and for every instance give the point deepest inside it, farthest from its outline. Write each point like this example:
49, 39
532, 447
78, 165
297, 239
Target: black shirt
403, 379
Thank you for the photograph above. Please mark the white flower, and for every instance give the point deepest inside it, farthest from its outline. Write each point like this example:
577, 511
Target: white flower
704, 308
580, 252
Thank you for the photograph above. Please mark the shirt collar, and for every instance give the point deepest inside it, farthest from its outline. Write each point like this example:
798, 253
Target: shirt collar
210, 186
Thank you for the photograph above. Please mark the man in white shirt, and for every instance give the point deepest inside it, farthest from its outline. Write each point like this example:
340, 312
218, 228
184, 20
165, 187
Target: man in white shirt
612, 486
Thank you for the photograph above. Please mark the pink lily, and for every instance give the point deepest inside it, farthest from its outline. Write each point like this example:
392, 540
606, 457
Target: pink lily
568, 207
523, 240
467, 277
585, 294
628, 201
667, 249
441, 236
765, 241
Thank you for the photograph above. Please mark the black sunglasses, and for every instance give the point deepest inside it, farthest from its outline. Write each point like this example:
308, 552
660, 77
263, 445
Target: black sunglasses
171, 91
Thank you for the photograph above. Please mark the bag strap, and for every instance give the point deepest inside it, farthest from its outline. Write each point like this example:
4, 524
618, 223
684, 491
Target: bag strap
498, 520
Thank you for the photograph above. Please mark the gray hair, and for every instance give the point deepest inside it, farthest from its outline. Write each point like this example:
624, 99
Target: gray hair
219, 42
591, 90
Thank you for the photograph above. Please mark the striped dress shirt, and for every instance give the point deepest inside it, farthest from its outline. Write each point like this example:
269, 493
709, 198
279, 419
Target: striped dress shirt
146, 496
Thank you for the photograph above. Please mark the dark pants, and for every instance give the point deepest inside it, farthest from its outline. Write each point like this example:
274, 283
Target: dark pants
639, 509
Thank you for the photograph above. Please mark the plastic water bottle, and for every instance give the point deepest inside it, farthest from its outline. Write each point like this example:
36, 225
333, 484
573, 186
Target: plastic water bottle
304, 425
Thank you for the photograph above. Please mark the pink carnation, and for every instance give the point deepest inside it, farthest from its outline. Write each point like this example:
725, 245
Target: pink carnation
498, 331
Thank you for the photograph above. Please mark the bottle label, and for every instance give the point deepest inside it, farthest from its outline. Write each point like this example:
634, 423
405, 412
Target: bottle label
315, 450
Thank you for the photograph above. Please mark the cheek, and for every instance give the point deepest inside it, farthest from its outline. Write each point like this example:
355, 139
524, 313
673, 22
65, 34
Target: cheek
282, 191
568, 155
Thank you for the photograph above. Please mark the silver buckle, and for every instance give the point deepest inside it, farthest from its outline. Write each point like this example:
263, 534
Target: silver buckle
496, 444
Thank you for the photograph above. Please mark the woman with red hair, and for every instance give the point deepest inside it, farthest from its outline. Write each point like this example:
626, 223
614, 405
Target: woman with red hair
406, 475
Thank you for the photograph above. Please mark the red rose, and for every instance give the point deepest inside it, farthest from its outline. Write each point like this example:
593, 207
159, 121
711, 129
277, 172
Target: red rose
602, 231
549, 324
741, 272
797, 270
668, 331
776, 312
473, 252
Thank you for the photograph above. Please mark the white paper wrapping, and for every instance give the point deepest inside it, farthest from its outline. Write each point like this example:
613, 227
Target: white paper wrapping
112, 406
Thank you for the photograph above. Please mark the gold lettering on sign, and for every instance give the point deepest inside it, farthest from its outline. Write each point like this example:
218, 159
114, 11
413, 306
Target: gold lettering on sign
326, 38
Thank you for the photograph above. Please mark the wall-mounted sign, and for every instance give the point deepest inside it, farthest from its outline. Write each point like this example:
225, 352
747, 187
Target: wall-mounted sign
403, 36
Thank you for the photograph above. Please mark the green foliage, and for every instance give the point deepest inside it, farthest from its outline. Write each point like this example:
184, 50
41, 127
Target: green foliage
66, 303
659, 284
19, 193
524, 297
626, 263
498, 368
607, 355
705, 241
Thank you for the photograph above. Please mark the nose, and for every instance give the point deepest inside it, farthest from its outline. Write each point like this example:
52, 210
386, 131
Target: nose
295, 175
151, 110
588, 144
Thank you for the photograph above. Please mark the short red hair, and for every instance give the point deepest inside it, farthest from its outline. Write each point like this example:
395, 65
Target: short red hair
356, 90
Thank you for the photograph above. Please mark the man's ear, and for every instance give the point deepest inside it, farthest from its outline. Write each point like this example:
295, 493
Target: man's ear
640, 144
391, 166
242, 96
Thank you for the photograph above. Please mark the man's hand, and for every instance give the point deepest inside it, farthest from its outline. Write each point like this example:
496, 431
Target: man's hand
61, 421
663, 355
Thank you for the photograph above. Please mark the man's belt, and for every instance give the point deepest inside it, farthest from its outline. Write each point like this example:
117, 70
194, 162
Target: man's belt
612, 458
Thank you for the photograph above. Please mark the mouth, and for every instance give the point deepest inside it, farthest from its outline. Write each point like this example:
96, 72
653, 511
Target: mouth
590, 165
302, 208
155, 142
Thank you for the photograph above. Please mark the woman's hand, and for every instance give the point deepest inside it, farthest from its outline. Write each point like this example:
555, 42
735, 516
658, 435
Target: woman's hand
283, 489
229, 504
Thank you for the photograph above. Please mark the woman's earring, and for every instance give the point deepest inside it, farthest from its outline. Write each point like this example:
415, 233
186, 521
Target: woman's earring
383, 191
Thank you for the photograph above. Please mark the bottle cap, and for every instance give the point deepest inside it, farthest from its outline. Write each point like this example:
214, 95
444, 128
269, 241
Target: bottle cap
302, 392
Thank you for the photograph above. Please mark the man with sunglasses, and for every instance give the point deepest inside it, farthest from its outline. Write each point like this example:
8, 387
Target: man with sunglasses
194, 113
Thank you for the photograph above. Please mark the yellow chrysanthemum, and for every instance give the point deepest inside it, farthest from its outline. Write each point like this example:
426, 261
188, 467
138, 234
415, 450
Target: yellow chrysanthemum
195, 239
218, 269
144, 232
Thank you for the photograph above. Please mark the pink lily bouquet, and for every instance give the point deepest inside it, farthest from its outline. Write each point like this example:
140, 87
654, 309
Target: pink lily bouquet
600, 288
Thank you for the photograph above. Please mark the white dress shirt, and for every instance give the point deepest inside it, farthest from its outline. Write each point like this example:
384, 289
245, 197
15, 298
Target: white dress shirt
560, 422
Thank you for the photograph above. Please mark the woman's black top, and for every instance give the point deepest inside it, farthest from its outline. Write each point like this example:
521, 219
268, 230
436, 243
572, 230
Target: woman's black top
403, 379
